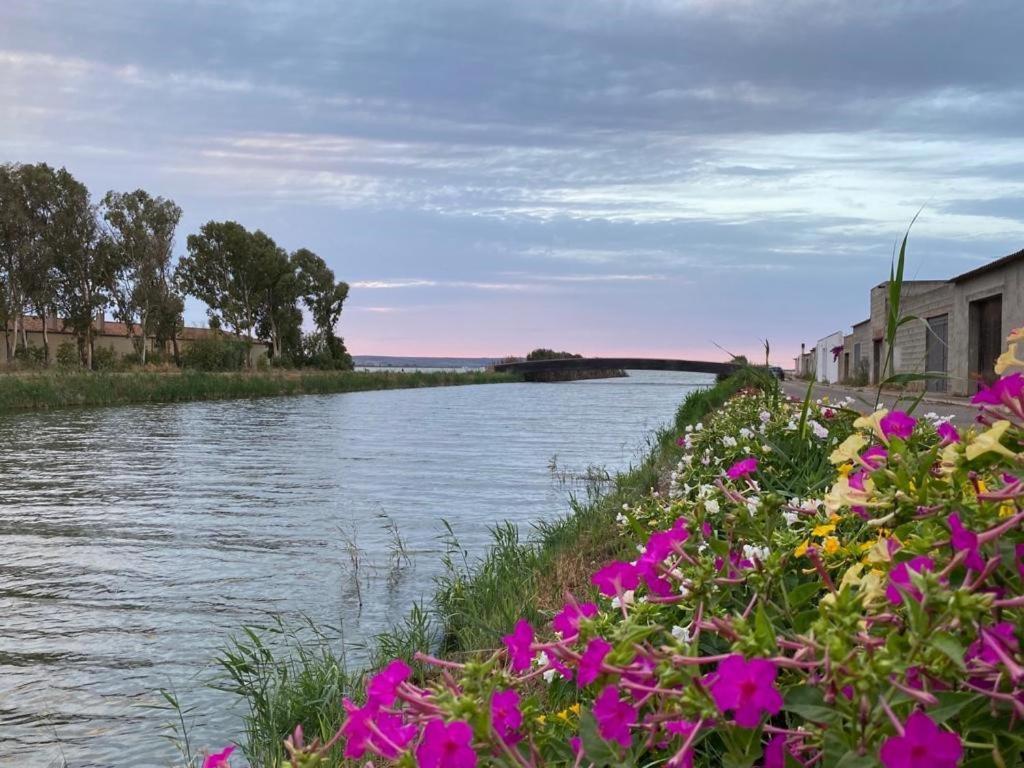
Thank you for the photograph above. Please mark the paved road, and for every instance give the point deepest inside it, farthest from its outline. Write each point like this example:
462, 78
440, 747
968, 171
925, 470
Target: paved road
865, 400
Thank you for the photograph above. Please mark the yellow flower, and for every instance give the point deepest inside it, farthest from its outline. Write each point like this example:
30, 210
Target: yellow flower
849, 449
563, 715
1007, 510
989, 442
842, 495
879, 551
540, 719
872, 422
831, 545
1008, 359
982, 488
1017, 334
575, 709
950, 459
802, 549
824, 530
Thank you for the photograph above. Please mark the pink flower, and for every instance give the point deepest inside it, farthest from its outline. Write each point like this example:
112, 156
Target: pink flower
219, 759
518, 644
775, 752
568, 621
995, 644
615, 578
947, 433
1006, 388
659, 547
875, 456
747, 688
382, 687
922, 745
900, 577
393, 738
505, 715
446, 746
964, 540
742, 468
897, 424
614, 717
356, 729
590, 663
682, 729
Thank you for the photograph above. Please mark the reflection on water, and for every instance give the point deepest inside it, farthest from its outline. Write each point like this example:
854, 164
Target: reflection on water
135, 540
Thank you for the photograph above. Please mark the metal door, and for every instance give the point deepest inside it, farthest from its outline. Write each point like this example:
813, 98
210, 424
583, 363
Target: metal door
937, 351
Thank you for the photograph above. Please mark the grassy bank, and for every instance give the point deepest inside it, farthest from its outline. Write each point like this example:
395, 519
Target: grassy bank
43, 391
286, 675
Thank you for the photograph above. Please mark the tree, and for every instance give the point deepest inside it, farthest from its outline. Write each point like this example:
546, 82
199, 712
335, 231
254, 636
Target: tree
279, 291
83, 258
220, 271
322, 296
14, 238
140, 229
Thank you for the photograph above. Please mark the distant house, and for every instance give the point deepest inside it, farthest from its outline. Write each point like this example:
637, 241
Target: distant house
827, 354
959, 331
107, 334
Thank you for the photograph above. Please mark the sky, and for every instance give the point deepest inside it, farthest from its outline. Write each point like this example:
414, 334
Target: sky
611, 177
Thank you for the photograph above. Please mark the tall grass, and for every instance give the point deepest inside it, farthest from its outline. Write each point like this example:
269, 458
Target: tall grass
43, 391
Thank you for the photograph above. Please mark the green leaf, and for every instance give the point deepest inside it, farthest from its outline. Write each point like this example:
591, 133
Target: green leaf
801, 593
950, 647
950, 703
763, 629
809, 703
853, 760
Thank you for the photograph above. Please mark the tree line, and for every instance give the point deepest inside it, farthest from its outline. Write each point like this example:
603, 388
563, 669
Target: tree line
63, 255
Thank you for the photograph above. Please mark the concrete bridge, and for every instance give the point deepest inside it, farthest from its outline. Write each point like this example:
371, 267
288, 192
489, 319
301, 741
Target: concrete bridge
614, 363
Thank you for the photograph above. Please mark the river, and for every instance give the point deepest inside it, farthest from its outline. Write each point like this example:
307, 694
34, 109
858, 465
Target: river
135, 540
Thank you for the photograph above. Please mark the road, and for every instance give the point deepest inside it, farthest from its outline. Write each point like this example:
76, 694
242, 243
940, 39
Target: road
943, 405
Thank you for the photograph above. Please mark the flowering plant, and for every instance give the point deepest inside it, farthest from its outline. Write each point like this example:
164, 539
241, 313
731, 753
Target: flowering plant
815, 587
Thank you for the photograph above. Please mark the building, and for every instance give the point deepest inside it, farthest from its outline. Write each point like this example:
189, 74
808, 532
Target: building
108, 334
958, 330
827, 354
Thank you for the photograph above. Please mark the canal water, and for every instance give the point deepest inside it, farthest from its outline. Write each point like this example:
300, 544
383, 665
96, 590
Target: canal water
134, 541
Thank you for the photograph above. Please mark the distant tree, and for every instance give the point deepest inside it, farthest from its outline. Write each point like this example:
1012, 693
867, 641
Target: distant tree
140, 229
221, 271
323, 297
278, 293
550, 354
15, 256
41, 281
83, 258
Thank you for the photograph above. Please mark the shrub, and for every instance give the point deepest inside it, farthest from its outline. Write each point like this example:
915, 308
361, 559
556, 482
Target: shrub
215, 353
104, 359
68, 355
30, 357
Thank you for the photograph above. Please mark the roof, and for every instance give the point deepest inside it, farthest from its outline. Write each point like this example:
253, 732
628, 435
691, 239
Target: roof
108, 328
862, 322
992, 266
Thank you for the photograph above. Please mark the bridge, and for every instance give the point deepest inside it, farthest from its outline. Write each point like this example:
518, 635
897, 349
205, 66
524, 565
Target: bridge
612, 364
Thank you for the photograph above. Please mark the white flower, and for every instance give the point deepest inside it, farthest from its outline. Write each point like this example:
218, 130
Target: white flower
791, 518
684, 590
689, 427
746, 433
549, 675
627, 599
819, 431
764, 416
752, 504
751, 552
621, 519
705, 460
699, 426
729, 441
766, 448
681, 634
541, 659
712, 506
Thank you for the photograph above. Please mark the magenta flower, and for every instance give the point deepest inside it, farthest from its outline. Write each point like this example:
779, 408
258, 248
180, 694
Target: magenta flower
446, 746
899, 577
742, 468
682, 729
947, 433
219, 759
589, 667
1006, 388
747, 688
394, 736
382, 687
922, 745
518, 644
964, 540
615, 578
614, 717
875, 456
897, 424
506, 716
775, 752
659, 547
995, 644
568, 621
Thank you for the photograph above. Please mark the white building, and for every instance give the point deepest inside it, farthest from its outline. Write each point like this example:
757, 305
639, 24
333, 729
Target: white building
828, 361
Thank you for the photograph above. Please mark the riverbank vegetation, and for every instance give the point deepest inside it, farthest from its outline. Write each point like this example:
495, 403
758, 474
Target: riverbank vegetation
44, 391
64, 256
807, 585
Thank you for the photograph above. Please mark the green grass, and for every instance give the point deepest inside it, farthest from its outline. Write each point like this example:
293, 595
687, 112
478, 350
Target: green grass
474, 605
44, 391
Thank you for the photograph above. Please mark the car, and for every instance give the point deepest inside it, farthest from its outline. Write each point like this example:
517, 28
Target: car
778, 373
